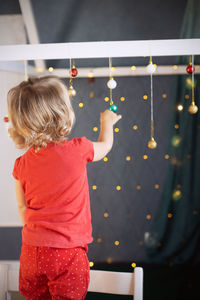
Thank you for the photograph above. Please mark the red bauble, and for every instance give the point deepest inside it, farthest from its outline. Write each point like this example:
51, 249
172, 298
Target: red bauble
6, 120
74, 72
190, 69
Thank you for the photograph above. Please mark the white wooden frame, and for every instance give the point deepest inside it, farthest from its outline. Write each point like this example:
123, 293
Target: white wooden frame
30, 25
121, 283
39, 52
176, 47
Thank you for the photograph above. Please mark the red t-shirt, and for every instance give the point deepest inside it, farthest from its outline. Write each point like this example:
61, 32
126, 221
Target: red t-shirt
55, 184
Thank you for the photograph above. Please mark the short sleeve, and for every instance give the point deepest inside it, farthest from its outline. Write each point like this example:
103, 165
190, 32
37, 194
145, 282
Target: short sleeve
86, 149
15, 172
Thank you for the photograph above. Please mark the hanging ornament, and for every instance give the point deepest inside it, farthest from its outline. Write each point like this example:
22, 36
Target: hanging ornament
73, 70
190, 68
111, 85
151, 68
6, 120
73, 73
71, 91
113, 107
152, 143
193, 108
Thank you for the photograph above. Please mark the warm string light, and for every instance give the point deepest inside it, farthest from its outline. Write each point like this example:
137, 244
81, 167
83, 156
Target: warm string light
50, 69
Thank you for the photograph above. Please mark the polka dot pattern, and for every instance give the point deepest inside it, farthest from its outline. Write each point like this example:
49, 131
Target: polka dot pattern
51, 273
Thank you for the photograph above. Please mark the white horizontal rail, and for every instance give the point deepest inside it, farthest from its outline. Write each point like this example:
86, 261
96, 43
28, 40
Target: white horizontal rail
18, 67
123, 71
176, 47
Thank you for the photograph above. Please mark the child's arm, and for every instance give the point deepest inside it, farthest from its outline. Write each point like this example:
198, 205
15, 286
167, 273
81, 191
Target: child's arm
21, 202
105, 139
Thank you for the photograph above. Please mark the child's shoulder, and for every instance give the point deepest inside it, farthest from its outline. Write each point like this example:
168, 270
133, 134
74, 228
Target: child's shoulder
80, 141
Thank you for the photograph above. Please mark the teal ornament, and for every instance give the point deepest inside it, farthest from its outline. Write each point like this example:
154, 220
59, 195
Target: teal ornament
113, 107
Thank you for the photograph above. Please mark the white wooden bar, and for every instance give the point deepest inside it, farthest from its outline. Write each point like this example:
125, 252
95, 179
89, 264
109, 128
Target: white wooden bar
123, 71
176, 47
18, 67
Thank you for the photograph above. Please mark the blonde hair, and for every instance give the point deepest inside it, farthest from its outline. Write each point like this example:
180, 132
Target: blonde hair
40, 112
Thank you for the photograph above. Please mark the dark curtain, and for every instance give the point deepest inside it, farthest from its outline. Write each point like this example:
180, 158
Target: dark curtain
175, 234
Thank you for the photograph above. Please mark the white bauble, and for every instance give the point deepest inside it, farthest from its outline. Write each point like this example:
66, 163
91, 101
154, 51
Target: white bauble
151, 68
111, 84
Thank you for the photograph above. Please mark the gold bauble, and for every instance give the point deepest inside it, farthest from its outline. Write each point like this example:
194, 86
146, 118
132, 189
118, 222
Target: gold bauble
193, 109
71, 91
152, 143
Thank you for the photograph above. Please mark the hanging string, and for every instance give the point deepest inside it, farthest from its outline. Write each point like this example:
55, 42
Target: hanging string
110, 75
190, 69
152, 143
192, 81
111, 84
70, 64
70, 67
111, 100
152, 121
110, 67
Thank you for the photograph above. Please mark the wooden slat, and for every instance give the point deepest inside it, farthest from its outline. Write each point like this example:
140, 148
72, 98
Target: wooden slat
176, 47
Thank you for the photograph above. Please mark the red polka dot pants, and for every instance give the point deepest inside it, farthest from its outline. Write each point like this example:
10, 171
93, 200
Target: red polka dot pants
51, 273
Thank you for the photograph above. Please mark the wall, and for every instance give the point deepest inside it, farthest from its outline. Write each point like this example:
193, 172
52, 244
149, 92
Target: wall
8, 212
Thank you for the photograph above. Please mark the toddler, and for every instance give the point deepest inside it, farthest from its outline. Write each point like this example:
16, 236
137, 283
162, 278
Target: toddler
52, 188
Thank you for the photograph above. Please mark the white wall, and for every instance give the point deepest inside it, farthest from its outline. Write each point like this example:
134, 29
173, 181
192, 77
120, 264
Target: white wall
8, 154
12, 30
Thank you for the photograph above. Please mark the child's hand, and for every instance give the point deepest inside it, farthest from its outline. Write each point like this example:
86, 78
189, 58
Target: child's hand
109, 117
